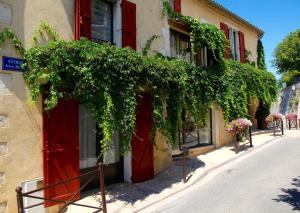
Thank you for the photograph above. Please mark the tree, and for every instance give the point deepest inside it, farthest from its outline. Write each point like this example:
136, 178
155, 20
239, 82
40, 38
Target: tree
287, 53
261, 63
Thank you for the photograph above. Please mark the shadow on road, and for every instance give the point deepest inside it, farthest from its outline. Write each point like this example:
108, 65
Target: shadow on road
291, 195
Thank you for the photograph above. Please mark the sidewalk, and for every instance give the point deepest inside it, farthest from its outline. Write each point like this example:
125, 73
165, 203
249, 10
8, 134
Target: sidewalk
127, 197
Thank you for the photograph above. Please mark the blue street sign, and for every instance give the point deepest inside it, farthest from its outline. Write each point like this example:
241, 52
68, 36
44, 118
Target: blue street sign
12, 64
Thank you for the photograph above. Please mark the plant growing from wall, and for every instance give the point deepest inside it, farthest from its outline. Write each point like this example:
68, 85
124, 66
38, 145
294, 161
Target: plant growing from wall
108, 81
201, 34
8, 34
44, 30
248, 54
148, 44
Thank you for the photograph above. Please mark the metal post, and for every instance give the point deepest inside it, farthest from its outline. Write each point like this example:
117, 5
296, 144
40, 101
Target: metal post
250, 137
20, 200
274, 123
282, 127
102, 187
289, 125
184, 163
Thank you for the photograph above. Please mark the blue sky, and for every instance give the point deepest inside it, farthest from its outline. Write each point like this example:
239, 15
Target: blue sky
275, 17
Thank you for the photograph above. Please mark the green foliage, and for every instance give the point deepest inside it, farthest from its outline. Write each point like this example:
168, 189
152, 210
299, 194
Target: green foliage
44, 30
261, 63
109, 80
9, 34
149, 43
289, 77
202, 34
248, 54
287, 53
240, 82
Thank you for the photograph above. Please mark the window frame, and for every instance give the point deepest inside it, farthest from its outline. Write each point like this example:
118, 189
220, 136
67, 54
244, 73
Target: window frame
192, 57
199, 144
234, 44
111, 5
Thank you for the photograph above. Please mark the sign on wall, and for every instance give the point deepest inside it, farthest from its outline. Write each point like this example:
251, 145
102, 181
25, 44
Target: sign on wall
5, 13
12, 64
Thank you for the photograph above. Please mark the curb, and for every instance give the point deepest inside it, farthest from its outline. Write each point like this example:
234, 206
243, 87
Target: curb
255, 148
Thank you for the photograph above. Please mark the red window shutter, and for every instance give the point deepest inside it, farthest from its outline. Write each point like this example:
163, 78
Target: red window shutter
242, 47
128, 24
177, 6
224, 28
83, 19
61, 151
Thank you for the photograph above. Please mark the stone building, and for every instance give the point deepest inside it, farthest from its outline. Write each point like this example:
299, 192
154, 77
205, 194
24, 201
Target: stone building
25, 134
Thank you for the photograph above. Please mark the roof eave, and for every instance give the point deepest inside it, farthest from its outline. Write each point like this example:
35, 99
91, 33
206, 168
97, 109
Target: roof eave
224, 9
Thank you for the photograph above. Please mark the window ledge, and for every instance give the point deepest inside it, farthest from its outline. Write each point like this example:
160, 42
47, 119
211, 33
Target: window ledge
201, 150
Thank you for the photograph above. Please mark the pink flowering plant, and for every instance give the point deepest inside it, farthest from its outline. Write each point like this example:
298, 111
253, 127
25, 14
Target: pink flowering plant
291, 117
237, 126
277, 116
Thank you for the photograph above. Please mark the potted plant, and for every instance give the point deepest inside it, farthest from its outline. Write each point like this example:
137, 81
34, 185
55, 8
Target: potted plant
292, 120
263, 110
236, 128
277, 116
291, 117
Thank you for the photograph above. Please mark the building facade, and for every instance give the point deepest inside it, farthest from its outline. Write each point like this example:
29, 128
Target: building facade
28, 137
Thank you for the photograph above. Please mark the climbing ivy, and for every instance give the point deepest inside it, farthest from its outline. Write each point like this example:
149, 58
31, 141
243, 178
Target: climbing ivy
8, 34
148, 44
242, 82
109, 81
201, 34
44, 30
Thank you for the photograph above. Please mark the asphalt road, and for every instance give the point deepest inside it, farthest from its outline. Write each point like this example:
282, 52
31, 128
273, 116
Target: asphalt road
266, 181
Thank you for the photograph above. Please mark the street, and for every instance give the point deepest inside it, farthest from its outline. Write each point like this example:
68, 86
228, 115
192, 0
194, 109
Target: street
266, 181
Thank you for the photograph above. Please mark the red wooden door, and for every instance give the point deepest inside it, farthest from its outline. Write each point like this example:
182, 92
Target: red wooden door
142, 146
61, 150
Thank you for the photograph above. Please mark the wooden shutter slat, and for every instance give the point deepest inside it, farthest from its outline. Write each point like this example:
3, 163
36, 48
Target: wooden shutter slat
61, 151
177, 6
83, 19
225, 29
242, 47
128, 24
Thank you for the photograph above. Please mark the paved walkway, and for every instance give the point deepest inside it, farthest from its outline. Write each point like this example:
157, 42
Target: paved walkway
126, 197
262, 181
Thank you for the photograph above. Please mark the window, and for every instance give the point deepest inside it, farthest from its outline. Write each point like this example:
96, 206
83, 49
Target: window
87, 135
102, 21
234, 44
196, 136
89, 142
181, 49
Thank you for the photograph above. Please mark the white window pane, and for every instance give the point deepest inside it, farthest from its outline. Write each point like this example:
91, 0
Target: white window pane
87, 132
231, 40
